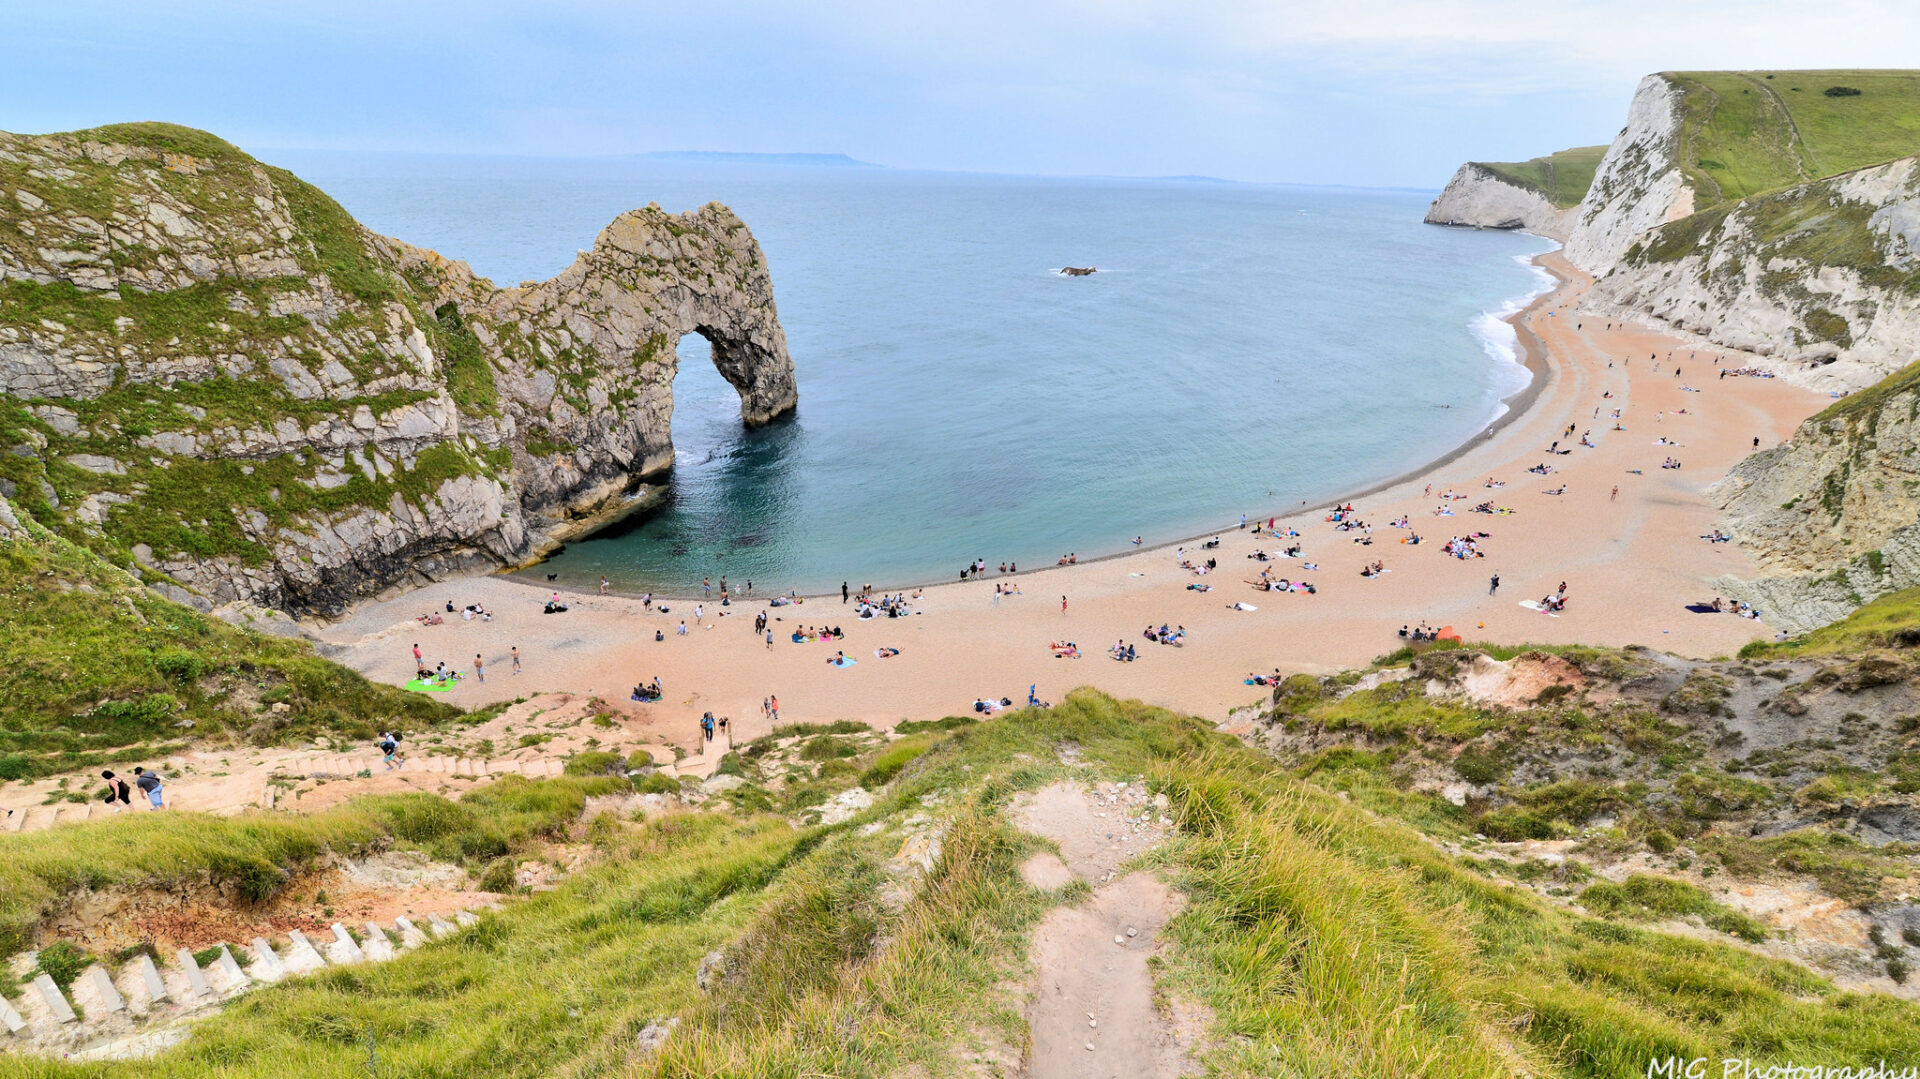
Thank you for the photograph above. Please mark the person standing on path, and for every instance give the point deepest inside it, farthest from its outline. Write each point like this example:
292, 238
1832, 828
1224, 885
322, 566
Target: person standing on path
706, 725
516, 659
479, 668
843, 593
119, 795
150, 784
1493, 584
390, 751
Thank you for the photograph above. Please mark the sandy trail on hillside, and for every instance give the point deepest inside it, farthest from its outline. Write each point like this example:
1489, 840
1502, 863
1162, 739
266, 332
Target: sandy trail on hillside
1093, 1012
1631, 564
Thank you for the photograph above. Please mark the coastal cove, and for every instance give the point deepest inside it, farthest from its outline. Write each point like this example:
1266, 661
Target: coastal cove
1242, 348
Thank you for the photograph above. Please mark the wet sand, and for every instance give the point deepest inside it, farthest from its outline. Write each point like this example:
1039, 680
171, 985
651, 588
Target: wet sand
1631, 565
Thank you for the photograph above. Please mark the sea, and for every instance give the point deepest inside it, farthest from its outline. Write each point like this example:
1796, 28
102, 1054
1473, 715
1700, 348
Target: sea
1242, 349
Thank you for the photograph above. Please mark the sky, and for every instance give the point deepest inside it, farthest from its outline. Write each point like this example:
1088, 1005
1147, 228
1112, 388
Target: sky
1383, 93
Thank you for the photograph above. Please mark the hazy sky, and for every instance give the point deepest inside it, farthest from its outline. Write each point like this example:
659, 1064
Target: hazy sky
1394, 92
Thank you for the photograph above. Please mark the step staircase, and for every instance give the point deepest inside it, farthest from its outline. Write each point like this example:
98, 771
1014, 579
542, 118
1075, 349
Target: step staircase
141, 1008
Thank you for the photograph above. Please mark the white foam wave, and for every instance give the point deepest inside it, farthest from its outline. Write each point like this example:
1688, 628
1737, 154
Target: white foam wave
1501, 342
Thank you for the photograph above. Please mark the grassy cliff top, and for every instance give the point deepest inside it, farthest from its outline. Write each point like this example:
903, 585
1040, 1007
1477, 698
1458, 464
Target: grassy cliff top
1746, 132
1562, 178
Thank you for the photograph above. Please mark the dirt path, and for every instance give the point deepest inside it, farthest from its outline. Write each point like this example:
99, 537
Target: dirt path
1093, 1013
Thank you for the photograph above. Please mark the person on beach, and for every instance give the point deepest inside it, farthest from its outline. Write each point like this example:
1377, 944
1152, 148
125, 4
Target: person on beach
119, 796
1493, 584
1063, 605
479, 668
1615, 496
516, 659
604, 585
706, 725
843, 593
773, 708
682, 631
769, 640
150, 785
706, 588
416, 654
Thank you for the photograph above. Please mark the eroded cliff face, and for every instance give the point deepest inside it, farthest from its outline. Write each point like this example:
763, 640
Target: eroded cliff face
1476, 197
208, 366
1825, 275
1640, 184
1833, 516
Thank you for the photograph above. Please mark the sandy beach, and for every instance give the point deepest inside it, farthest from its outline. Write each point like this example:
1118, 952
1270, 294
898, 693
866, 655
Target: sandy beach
1631, 562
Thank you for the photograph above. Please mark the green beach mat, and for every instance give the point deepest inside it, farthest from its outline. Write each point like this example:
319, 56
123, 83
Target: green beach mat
429, 687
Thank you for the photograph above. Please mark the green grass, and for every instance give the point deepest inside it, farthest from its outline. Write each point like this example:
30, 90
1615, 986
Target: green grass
254, 856
1879, 624
1643, 895
1561, 178
1746, 132
1325, 940
95, 668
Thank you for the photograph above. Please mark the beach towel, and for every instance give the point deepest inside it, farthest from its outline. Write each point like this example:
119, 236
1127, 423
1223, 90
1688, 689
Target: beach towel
843, 661
1245, 607
1701, 608
1534, 605
429, 686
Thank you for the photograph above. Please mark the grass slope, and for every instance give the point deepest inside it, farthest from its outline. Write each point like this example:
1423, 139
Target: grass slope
1562, 178
95, 668
1326, 940
1745, 132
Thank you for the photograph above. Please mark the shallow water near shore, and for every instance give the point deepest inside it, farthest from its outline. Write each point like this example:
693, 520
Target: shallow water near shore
1242, 349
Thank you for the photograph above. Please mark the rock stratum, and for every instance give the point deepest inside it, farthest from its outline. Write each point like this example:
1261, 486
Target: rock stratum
210, 372
1778, 213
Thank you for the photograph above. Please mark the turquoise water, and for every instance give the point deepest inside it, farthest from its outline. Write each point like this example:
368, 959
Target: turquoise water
1243, 348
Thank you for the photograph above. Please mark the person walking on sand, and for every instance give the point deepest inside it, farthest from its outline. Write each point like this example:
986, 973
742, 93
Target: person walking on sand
699, 612
479, 668
706, 725
516, 659
1063, 605
773, 708
1615, 496
769, 640
843, 593
150, 784
416, 655
682, 631
1493, 584
119, 796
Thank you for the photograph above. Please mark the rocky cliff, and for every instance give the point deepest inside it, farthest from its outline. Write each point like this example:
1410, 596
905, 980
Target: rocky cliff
1477, 197
1825, 275
1639, 184
1833, 516
211, 371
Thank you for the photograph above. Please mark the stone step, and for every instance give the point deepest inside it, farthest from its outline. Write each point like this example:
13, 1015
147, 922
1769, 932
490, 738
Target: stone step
196, 981
10, 1018
410, 934
55, 1001
345, 948
440, 926
150, 978
377, 947
266, 966
104, 991
230, 970
303, 957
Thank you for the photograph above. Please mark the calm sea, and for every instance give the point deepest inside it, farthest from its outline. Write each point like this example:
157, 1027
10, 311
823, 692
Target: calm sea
1243, 348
